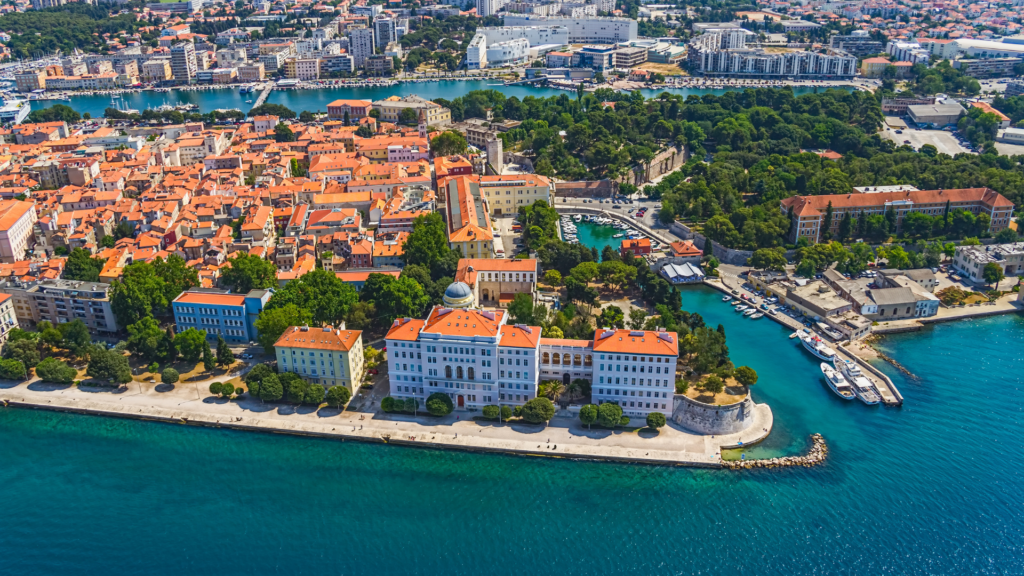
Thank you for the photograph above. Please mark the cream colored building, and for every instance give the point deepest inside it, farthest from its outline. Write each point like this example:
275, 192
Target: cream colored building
496, 281
302, 68
322, 355
506, 194
156, 70
8, 319
391, 109
16, 221
251, 72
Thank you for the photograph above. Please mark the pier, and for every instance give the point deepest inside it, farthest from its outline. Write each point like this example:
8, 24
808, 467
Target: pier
267, 88
886, 389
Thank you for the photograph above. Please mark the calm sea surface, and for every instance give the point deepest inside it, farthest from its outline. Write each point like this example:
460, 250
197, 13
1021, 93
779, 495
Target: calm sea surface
317, 100
931, 488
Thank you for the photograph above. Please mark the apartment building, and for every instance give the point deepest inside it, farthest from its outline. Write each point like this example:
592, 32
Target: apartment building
61, 301
184, 66
471, 355
970, 261
469, 223
323, 355
30, 80
707, 56
157, 70
16, 221
8, 318
809, 211
858, 43
585, 29
302, 68
988, 67
220, 313
361, 45
253, 72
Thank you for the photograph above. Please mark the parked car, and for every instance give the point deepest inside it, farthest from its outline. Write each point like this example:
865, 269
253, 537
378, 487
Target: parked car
373, 372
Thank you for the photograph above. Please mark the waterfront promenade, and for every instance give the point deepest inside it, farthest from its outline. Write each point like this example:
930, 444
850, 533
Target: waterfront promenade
563, 437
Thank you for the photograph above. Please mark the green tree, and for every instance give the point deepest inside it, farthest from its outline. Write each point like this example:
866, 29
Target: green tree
169, 376
387, 404
448, 143
282, 133
208, 360
138, 294
992, 273
338, 396
491, 412
177, 276
224, 355
272, 324
609, 415
53, 370
168, 350
611, 317
1006, 236
145, 339
588, 415
712, 384
314, 395
655, 420
108, 365
75, 337
270, 389
55, 113
768, 259
553, 278
190, 344
393, 297
272, 110
439, 404
407, 116
538, 410
427, 244
247, 272
25, 351
82, 266
746, 375
326, 297
13, 370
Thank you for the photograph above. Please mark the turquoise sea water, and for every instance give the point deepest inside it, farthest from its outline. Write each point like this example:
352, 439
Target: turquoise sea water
597, 236
930, 488
317, 100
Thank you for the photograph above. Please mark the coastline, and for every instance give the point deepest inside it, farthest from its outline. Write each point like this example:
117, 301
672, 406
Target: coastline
561, 438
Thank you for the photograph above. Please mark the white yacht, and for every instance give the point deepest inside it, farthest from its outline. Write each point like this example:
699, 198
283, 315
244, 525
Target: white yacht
577, 218
815, 346
750, 312
836, 382
862, 386
741, 307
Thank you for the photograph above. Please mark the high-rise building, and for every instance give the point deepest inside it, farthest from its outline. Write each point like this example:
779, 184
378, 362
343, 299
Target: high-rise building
183, 63
384, 32
360, 45
488, 7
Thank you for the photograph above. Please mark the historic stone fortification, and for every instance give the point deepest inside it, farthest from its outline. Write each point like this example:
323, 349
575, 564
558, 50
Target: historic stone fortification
710, 419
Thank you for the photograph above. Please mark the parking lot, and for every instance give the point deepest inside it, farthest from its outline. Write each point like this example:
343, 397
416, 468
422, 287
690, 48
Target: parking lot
945, 142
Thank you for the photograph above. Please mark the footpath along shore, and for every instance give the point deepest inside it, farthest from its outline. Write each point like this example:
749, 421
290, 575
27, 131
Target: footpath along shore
562, 437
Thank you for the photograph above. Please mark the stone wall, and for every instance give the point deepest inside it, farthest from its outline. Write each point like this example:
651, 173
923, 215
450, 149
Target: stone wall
709, 419
667, 161
724, 255
587, 189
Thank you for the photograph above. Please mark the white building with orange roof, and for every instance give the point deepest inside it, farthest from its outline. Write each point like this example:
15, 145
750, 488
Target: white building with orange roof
471, 355
16, 221
323, 355
635, 369
469, 224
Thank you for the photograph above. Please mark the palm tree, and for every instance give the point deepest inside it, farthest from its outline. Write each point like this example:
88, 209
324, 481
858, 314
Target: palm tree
555, 390
574, 392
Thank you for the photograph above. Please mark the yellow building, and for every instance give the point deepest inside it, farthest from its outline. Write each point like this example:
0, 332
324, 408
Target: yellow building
469, 224
873, 67
391, 109
325, 355
506, 194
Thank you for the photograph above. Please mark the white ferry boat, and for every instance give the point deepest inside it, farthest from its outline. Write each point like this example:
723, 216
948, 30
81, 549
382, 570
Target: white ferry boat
836, 382
862, 386
815, 346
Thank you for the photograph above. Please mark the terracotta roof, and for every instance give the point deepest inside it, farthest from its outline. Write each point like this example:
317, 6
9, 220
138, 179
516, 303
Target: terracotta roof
519, 336
811, 205
636, 342
323, 338
211, 299
405, 329
464, 322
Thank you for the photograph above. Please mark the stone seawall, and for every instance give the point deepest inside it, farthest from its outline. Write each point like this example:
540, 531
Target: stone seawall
711, 419
816, 455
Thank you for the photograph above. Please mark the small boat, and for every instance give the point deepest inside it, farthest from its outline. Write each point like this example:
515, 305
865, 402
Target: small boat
814, 345
248, 101
836, 382
750, 312
618, 235
758, 315
726, 298
741, 308
794, 335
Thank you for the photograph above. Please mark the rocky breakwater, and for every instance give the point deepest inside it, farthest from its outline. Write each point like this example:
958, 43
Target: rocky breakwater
816, 455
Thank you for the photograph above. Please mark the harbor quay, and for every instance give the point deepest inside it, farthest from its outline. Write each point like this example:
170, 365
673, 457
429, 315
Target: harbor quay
563, 437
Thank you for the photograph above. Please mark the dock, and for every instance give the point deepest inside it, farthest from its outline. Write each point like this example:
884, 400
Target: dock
267, 88
886, 389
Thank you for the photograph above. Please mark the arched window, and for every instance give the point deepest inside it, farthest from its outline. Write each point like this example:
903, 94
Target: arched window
546, 358
588, 360
458, 372
577, 360
447, 371
556, 358
566, 359
470, 372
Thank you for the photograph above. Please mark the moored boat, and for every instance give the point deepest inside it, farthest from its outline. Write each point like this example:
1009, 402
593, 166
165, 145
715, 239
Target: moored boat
814, 345
862, 386
837, 382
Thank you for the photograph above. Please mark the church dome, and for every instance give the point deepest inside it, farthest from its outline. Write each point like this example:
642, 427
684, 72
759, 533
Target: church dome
458, 295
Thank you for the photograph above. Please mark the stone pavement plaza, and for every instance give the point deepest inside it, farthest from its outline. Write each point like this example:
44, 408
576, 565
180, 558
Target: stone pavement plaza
563, 437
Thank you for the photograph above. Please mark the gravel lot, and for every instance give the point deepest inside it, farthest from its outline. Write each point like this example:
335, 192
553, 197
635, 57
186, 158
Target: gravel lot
942, 140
